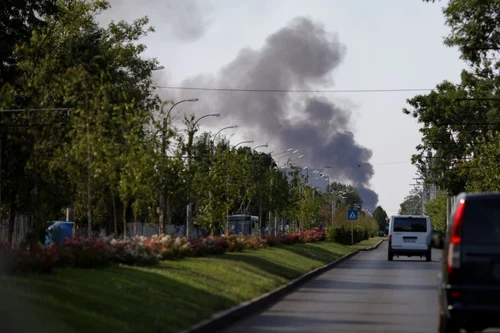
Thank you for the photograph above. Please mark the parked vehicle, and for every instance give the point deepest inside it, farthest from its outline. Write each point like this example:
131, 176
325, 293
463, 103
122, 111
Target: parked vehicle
469, 282
408, 236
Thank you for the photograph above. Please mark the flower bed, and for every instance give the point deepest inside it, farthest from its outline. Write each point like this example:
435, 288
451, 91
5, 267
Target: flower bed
91, 253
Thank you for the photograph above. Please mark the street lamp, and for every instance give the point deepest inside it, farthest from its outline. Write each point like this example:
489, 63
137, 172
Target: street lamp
189, 209
175, 104
297, 158
242, 142
265, 146
207, 115
224, 128
286, 151
163, 203
158, 68
290, 153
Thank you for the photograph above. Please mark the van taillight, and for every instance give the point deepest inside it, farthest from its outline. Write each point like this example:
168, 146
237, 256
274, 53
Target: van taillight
453, 262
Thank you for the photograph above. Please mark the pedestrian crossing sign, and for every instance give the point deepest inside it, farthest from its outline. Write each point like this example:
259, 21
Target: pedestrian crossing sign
352, 215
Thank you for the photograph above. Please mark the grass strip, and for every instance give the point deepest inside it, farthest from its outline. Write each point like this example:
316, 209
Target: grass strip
167, 298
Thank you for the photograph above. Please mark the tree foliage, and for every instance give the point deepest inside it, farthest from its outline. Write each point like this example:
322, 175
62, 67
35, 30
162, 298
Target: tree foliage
411, 205
458, 120
436, 209
380, 215
94, 137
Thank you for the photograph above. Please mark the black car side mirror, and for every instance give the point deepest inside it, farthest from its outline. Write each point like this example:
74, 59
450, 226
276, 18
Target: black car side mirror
436, 240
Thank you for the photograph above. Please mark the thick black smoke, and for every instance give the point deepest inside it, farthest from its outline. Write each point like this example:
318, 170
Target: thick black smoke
301, 55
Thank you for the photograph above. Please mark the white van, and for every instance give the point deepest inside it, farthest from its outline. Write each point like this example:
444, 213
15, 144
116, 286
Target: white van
408, 236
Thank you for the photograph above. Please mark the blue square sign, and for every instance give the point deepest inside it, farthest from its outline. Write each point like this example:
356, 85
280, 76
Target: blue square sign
352, 215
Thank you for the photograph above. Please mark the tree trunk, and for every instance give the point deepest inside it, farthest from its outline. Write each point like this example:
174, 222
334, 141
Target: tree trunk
12, 219
115, 217
162, 213
89, 182
125, 204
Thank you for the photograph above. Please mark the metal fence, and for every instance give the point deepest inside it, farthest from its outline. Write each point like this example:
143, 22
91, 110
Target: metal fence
23, 224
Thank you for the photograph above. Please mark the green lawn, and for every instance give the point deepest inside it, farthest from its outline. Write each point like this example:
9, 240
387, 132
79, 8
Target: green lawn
167, 298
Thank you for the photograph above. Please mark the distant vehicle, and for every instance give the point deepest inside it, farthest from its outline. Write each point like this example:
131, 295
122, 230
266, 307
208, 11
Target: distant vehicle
469, 282
408, 236
244, 224
58, 232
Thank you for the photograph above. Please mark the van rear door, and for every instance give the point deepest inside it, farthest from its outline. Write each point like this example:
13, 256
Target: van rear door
480, 250
410, 232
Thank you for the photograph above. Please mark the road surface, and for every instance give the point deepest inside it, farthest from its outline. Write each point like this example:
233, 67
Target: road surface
364, 294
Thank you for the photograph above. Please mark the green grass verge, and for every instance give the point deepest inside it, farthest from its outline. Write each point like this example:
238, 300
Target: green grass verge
166, 298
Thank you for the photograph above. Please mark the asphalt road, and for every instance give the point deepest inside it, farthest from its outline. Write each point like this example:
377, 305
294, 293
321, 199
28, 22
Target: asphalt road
366, 293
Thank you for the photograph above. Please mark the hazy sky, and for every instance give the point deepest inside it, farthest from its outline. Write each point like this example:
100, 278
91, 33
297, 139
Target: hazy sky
267, 44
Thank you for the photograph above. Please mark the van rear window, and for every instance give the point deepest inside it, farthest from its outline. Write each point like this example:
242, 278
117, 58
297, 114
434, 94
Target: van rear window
410, 224
481, 221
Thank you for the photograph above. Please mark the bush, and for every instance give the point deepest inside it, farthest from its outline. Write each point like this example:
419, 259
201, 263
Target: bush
331, 234
98, 252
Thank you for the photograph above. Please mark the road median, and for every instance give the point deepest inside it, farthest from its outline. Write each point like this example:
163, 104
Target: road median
169, 297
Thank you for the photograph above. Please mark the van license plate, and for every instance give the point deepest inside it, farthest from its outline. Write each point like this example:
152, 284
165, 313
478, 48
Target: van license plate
410, 240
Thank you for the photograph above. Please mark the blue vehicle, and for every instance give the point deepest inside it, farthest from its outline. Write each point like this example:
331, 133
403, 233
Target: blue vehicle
58, 232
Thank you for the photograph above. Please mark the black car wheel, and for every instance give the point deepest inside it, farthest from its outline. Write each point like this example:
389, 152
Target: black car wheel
428, 256
448, 325
390, 256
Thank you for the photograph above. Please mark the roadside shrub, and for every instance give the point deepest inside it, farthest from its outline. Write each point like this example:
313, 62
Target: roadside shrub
331, 234
97, 252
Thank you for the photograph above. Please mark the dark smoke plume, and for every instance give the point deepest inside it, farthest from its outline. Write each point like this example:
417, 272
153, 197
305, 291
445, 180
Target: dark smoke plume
301, 55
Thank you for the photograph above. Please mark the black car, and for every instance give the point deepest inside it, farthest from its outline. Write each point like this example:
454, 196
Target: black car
469, 288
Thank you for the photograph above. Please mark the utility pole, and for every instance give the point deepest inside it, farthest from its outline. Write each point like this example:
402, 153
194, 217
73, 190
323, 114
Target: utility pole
1, 180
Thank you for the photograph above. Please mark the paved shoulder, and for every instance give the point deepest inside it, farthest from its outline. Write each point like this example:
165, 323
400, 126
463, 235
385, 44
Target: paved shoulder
366, 293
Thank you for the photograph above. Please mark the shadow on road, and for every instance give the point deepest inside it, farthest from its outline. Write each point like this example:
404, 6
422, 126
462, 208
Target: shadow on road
397, 264
272, 322
343, 285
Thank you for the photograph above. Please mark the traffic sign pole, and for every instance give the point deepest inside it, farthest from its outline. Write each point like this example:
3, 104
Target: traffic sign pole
352, 215
352, 232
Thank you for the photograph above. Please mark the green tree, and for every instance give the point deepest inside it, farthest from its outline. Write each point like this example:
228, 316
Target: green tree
380, 216
411, 205
309, 208
474, 27
484, 174
436, 209
345, 194
18, 20
99, 74
456, 119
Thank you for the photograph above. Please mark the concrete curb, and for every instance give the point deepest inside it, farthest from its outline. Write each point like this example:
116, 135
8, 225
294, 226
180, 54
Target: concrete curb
225, 318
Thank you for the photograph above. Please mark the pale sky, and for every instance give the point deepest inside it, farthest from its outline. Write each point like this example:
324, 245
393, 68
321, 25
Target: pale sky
390, 44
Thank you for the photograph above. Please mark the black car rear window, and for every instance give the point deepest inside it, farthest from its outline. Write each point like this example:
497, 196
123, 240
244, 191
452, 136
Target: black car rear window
481, 220
410, 224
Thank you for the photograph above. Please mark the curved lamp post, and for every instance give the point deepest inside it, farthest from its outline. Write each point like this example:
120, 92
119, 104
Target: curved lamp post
296, 159
290, 153
224, 128
242, 142
265, 146
285, 151
189, 214
207, 115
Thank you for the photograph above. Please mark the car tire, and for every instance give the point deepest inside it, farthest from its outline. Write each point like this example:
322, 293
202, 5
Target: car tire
448, 325
390, 256
428, 256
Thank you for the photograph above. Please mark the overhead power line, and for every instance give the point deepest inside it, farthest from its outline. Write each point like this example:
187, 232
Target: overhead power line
294, 90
